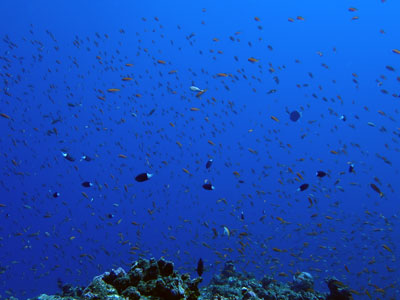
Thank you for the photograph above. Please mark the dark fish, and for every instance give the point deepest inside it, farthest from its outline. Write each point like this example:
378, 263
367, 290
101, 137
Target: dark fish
86, 158
303, 187
343, 118
376, 189
209, 163
295, 116
390, 68
208, 186
67, 156
242, 215
200, 267
143, 177
351, 168
56, 195
87, 184
151, 112
321, 174
56, 121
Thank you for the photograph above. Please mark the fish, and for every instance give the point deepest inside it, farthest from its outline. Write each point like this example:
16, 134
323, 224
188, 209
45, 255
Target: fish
198, 95
275, 118
209, 163
5, 116
386, 247
87, 184
321, 174
303, 187
253, 60
200, 267
376, 189
226, 231
294, 116
208, 186
67, 156
85, 158
56, 195
143, 177
195, 89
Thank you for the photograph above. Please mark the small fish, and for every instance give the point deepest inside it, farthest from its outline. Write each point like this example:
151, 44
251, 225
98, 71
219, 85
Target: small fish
85, 158
321, 174
376, 189
143, 177
198, 95
195, 89
386, 247
351, 168
5, 116
200, 267
56, 195
226, 231
209, 163
253, 60
208, 186
294, 116
67, 156
343, 118
87, 184
303, 187
275, 118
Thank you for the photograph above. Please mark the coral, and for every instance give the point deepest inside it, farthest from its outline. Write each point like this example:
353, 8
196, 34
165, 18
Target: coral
302, 281
338, 291
231, 284
157, 280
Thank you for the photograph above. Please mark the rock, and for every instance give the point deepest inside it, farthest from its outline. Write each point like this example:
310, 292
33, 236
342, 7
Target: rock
302, 281
131, 293
338, 291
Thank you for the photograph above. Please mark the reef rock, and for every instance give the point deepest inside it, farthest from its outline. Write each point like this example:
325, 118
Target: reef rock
147, 279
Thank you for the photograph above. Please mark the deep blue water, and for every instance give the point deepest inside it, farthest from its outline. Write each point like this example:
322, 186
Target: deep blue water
58, 61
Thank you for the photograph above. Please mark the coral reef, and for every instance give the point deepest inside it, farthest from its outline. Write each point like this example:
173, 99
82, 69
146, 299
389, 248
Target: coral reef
147, 279
233, 285
156, 280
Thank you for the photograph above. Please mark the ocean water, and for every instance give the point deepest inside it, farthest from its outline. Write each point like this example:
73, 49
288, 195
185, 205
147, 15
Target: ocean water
335, 62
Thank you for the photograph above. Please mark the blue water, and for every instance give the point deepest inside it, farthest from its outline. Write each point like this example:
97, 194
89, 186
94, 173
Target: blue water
57, 59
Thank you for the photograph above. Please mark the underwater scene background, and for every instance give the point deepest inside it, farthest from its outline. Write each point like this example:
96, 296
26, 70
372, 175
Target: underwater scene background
267, 133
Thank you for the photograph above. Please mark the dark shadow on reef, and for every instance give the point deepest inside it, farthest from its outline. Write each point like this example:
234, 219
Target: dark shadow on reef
157, 280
